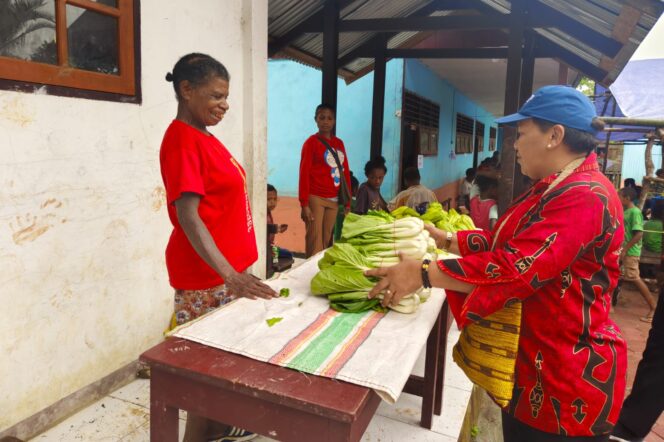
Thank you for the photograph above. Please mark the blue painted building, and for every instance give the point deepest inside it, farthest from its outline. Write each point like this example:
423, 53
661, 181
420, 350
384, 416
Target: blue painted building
294, 91
634, 164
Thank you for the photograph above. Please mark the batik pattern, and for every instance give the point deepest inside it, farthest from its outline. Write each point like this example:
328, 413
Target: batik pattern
557, 254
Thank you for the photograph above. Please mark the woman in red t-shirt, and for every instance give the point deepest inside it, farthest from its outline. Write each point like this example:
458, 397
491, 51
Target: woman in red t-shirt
320, 179
213, 241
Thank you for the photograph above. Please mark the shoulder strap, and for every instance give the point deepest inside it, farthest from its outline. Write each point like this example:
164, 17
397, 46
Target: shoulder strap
333, 152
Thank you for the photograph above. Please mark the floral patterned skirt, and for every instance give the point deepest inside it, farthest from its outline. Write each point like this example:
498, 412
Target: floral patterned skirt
190, 304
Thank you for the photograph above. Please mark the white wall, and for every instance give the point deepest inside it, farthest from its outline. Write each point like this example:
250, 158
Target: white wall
83, 227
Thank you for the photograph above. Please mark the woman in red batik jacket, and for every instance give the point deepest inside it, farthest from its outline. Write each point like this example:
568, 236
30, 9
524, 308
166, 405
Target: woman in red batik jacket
555, 251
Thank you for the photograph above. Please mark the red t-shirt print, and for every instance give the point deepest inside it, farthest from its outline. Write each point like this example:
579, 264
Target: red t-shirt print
192, 161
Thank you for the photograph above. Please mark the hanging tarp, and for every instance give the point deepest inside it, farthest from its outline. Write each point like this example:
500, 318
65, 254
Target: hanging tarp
638, 92
639, 89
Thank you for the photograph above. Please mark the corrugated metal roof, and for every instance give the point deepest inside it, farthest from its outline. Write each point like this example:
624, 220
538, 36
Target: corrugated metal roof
284, 15
598, 15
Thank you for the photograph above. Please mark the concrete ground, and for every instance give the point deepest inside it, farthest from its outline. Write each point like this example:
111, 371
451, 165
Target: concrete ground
124, 415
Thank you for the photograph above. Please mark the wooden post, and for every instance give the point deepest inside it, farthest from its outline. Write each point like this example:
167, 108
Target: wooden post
330, 52
378, 107
527, 68
562, 73
650, 166
513, 80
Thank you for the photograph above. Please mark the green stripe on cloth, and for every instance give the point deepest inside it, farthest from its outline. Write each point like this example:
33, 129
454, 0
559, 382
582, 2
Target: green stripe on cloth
311, 357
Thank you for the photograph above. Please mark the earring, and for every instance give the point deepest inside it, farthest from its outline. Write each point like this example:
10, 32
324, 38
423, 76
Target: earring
548, 145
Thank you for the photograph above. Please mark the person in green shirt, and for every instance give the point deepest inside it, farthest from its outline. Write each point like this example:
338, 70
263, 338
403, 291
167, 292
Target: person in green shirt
631, 251
652, 230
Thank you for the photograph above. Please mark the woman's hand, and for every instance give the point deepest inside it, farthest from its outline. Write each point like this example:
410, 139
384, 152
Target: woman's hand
307, 215
438, 235
397, 281
246, 285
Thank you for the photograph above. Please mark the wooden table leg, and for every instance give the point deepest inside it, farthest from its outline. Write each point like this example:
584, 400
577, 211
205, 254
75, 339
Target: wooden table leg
430, 374
440, 378
163, 417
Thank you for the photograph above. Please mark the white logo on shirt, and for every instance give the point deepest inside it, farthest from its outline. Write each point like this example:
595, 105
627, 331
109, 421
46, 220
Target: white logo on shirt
334, 170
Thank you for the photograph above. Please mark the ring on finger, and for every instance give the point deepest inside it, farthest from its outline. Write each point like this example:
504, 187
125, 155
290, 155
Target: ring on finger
388, 291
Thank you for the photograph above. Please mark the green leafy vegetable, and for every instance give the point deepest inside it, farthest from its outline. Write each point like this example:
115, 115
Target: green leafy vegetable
272, 321
284, 293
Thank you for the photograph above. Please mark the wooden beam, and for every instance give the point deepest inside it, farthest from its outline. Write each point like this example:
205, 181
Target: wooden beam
562, 73
439, 5
405, 24
546, 16
447, 53
378, 108
510, 172
652, 8
527, 67
330, 52
463, 53
642, 122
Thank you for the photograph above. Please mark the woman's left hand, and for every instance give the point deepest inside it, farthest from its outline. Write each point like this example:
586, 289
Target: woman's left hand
397, 281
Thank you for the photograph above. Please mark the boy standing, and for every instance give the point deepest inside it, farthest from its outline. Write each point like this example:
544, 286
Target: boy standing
631, 251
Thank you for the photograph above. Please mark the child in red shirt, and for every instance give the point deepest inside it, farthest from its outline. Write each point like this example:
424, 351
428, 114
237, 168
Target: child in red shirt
483, 207
320, 180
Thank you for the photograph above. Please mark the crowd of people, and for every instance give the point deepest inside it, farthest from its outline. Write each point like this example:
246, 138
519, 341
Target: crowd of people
555, 253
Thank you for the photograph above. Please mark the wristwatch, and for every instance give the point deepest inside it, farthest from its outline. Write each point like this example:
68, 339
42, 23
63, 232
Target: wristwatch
448, 241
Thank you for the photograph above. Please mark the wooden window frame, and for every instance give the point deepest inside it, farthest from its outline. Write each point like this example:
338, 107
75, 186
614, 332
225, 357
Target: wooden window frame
463, 141
425, 115
493, 133
122, 87
479, 137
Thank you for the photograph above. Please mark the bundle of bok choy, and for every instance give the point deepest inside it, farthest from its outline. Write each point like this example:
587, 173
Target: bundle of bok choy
450, 221
369, 241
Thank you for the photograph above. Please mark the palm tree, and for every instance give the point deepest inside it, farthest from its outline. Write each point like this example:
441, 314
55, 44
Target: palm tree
19, 18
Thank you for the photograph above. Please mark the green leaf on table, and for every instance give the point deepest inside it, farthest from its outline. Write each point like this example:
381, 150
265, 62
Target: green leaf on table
284, 293
272, 321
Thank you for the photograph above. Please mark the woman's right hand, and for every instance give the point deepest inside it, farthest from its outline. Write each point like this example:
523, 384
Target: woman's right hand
246, 285
307, 215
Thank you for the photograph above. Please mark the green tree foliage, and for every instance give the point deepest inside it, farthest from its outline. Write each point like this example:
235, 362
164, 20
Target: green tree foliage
586, 86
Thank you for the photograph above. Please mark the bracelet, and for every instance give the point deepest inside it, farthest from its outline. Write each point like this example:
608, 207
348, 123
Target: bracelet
448, 242
426, 282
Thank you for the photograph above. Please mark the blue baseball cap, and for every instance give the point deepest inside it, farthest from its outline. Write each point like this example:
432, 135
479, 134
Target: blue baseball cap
559, 105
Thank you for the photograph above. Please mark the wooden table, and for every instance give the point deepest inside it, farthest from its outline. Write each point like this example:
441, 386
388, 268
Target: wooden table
274, 401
